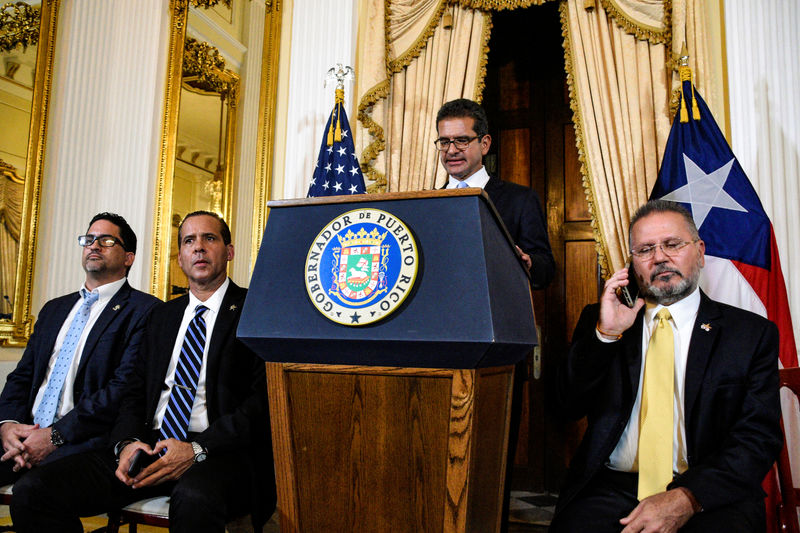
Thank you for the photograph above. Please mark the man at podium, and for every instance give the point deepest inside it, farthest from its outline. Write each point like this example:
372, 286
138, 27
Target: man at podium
463, 141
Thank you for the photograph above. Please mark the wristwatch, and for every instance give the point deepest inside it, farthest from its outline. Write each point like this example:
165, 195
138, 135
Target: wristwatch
56, 438
200, 453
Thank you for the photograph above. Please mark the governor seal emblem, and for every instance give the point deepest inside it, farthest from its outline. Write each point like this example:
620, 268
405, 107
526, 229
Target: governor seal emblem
361, 267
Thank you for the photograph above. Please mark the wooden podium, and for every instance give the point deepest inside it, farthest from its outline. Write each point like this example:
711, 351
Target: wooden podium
402, 424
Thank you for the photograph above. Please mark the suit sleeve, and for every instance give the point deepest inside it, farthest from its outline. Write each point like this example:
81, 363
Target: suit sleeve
533, 240
131, 419
15, 398
733, 471
582, 375
94, 414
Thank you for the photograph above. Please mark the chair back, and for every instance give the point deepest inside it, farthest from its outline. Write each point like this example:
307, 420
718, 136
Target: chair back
790, 495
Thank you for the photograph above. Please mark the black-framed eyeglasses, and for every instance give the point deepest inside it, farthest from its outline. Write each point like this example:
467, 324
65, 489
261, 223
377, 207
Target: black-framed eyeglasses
106, 241
461, 143
671, 248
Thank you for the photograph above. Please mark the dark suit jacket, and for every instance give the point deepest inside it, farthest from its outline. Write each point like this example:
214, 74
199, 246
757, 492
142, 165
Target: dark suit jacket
521, 211
731, 403
107, 360
236, 393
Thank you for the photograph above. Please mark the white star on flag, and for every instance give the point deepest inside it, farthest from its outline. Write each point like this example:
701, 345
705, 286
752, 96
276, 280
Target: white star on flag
344, 134
330, 149
325, 185
340, 169
337, 187
353, 171
353, 189
704, 191
328, 167
342, 150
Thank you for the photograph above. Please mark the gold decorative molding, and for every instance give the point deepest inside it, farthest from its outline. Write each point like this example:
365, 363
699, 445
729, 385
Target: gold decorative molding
19, 26
159, 279
204, 69
210, 3
15, 332
266, 123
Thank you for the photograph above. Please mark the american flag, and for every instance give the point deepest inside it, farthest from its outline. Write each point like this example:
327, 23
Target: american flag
337, 170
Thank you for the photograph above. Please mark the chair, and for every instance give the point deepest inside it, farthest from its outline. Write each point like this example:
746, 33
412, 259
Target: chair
155, 512
5, 499
790, 496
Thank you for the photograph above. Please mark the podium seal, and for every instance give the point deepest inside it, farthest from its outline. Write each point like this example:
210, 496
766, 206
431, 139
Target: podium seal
361, 267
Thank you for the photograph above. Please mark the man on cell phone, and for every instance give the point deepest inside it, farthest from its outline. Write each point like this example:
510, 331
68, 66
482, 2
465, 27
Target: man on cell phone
680, 392
195, 416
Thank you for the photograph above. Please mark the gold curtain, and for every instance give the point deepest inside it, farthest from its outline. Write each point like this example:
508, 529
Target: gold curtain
11, 190
413, 56
621, 89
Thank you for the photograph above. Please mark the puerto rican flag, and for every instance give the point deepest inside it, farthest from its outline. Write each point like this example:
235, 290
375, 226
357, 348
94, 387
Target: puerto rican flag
742, 266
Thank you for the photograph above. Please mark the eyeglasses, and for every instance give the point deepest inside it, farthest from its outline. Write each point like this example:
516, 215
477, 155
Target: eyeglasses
461, 143
106, 241
670, 248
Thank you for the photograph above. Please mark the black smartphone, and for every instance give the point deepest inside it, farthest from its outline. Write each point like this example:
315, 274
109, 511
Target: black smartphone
629, 293
140, 460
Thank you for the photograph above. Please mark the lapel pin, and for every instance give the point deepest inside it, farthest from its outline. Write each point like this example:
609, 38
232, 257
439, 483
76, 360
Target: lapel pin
233, 307
115, 308
705, 327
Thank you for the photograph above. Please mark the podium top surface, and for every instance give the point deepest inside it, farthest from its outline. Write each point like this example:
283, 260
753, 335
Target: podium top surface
470, 305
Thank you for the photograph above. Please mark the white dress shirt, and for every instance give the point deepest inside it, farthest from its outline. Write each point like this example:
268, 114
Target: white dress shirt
65, 405
684, 315
479, 179
199, 419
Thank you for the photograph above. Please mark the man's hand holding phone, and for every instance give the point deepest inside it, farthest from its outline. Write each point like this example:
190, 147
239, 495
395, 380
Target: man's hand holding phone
615, 314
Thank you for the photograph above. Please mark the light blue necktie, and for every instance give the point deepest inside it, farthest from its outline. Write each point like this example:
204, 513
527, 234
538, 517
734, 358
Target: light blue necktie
462, 185
52, 395
179, 407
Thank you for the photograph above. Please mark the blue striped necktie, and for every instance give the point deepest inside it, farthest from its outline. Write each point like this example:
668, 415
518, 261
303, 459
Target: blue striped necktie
179, 408
46, 411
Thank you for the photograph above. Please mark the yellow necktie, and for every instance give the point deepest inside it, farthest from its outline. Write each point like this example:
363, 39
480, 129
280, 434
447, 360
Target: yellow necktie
655, 417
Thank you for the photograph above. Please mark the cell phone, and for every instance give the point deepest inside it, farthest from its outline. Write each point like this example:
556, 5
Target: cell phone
630, 292
140, 460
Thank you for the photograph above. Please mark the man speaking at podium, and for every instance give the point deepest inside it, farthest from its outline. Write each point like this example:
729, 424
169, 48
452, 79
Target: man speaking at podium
463, 141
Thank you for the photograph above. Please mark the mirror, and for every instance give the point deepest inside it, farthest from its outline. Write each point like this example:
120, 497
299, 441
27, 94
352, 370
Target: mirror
27, 40
213, 45
204, 145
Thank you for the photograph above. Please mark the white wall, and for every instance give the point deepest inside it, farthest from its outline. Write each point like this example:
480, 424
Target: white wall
763, 78
323, 34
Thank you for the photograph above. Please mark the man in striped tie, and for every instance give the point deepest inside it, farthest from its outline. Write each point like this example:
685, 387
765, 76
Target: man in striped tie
680, 392
196, 413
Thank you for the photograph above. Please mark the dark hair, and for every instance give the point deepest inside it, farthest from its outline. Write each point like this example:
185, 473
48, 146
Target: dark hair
464, 108
126, 234
663, 206
224, 230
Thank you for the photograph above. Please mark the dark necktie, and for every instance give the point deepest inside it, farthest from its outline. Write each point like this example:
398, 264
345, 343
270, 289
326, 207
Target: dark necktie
179, 408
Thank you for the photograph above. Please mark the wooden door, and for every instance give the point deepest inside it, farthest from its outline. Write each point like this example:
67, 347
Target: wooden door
527, 100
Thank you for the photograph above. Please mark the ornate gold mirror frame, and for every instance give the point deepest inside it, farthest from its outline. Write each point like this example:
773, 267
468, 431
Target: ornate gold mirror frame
17, 330
176, 74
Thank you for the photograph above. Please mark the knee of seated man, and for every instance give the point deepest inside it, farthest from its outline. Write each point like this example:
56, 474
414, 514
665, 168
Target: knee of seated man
30, 489
193, 498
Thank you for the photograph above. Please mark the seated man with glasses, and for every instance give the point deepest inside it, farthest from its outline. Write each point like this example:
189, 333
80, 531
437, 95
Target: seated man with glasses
680, 393
64, 394
464, 139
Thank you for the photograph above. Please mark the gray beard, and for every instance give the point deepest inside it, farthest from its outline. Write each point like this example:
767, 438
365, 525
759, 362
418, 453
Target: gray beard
673, 293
